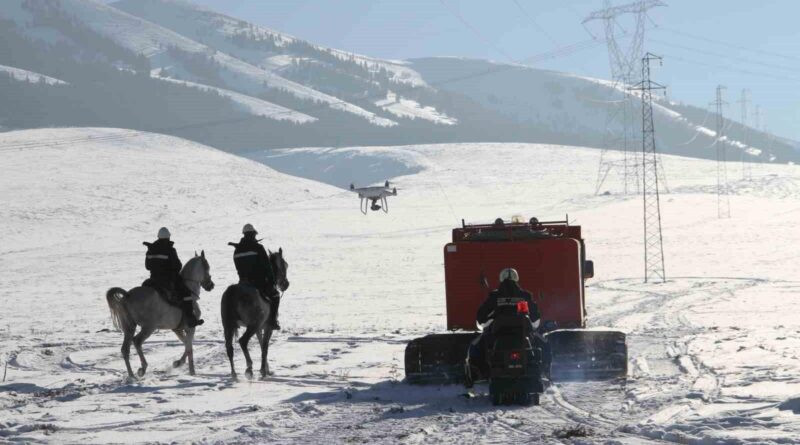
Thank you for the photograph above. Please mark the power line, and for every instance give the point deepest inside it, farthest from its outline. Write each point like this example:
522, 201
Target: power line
475, 31
698, 129
536, 24
726, 56
758, 74
565, 50
747, 171
730, 45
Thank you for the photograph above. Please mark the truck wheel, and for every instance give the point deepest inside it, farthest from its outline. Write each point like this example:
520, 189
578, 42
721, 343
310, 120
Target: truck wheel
535, 399
523, 399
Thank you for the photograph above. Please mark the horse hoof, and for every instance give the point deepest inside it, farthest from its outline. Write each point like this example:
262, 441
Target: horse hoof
177, 364
248, 374
140, 372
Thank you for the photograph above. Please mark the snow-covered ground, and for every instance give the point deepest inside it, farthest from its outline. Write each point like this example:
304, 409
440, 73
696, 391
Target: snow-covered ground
402, 107
252, 105
714, 351
30, 76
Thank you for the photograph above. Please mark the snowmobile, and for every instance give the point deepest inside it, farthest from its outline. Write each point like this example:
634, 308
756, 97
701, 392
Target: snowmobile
515, 375
551, 260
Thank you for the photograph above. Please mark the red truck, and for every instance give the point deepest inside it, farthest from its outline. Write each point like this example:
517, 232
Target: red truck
551, 260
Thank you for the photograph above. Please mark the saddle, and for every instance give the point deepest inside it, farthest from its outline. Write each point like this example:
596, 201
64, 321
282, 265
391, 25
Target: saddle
246, 283
163, 291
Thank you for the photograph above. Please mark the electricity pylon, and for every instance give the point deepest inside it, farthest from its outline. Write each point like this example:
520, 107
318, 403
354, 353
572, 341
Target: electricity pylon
723, 196
653, 241
620, 131
747, 170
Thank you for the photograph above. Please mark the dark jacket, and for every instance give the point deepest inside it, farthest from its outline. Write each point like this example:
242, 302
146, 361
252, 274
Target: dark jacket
252, 263
507, 289
163, 263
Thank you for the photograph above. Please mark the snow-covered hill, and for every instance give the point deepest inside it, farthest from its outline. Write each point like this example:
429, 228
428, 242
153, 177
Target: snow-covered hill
310, 95
253, 105
713, 353
160, 45
29, 76
576, 105
248, 41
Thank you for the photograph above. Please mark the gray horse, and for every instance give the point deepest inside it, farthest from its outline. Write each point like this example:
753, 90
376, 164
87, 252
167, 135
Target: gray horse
243, 306
144, 306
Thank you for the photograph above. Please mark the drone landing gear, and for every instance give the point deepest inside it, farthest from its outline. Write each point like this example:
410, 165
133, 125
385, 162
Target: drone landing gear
372, 204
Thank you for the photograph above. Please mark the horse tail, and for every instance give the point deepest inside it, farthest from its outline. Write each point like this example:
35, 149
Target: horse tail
119, 313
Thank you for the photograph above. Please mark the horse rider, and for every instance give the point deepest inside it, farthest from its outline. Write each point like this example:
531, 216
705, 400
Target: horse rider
165, 273
508, 290
254, 268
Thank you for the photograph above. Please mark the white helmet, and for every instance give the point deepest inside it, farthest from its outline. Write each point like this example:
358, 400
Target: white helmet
509, 274
163, 233
248, 228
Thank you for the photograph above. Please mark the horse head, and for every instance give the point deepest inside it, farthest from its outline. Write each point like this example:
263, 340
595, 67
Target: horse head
200, 271
279, 267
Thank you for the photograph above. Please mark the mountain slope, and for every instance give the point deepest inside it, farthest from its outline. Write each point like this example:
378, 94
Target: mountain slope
253, 43
571, 104
240, 86
165, 48
253, 105
29, 76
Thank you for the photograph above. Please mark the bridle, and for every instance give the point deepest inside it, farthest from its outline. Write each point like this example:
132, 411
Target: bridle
205, 283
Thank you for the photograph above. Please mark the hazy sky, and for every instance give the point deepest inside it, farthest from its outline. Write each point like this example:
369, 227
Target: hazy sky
737, 43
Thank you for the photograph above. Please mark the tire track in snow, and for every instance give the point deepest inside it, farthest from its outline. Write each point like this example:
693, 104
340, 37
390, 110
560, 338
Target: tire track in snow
696, 381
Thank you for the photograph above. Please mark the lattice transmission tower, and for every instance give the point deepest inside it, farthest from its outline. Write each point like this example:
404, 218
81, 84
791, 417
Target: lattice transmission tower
723, 195
653, 241
620, 132
747, 167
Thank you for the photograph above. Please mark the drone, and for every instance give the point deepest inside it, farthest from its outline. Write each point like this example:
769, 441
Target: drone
373, 195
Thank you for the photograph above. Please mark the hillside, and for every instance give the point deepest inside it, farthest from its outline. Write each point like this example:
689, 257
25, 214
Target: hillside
575, 105
712, 352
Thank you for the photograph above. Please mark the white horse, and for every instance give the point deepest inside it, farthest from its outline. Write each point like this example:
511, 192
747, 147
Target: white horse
144, 306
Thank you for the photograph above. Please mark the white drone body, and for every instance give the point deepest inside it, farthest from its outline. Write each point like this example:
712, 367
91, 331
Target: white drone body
371, 195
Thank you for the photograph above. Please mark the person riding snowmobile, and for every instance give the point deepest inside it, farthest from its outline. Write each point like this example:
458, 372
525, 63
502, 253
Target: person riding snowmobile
164, 265
254, 268
508, 290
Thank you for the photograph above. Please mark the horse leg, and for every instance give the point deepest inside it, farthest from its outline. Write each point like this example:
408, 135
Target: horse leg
265, 351
260, 337
243, 340
126, 349
182, 337
137, 343
189, 351
229, 333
